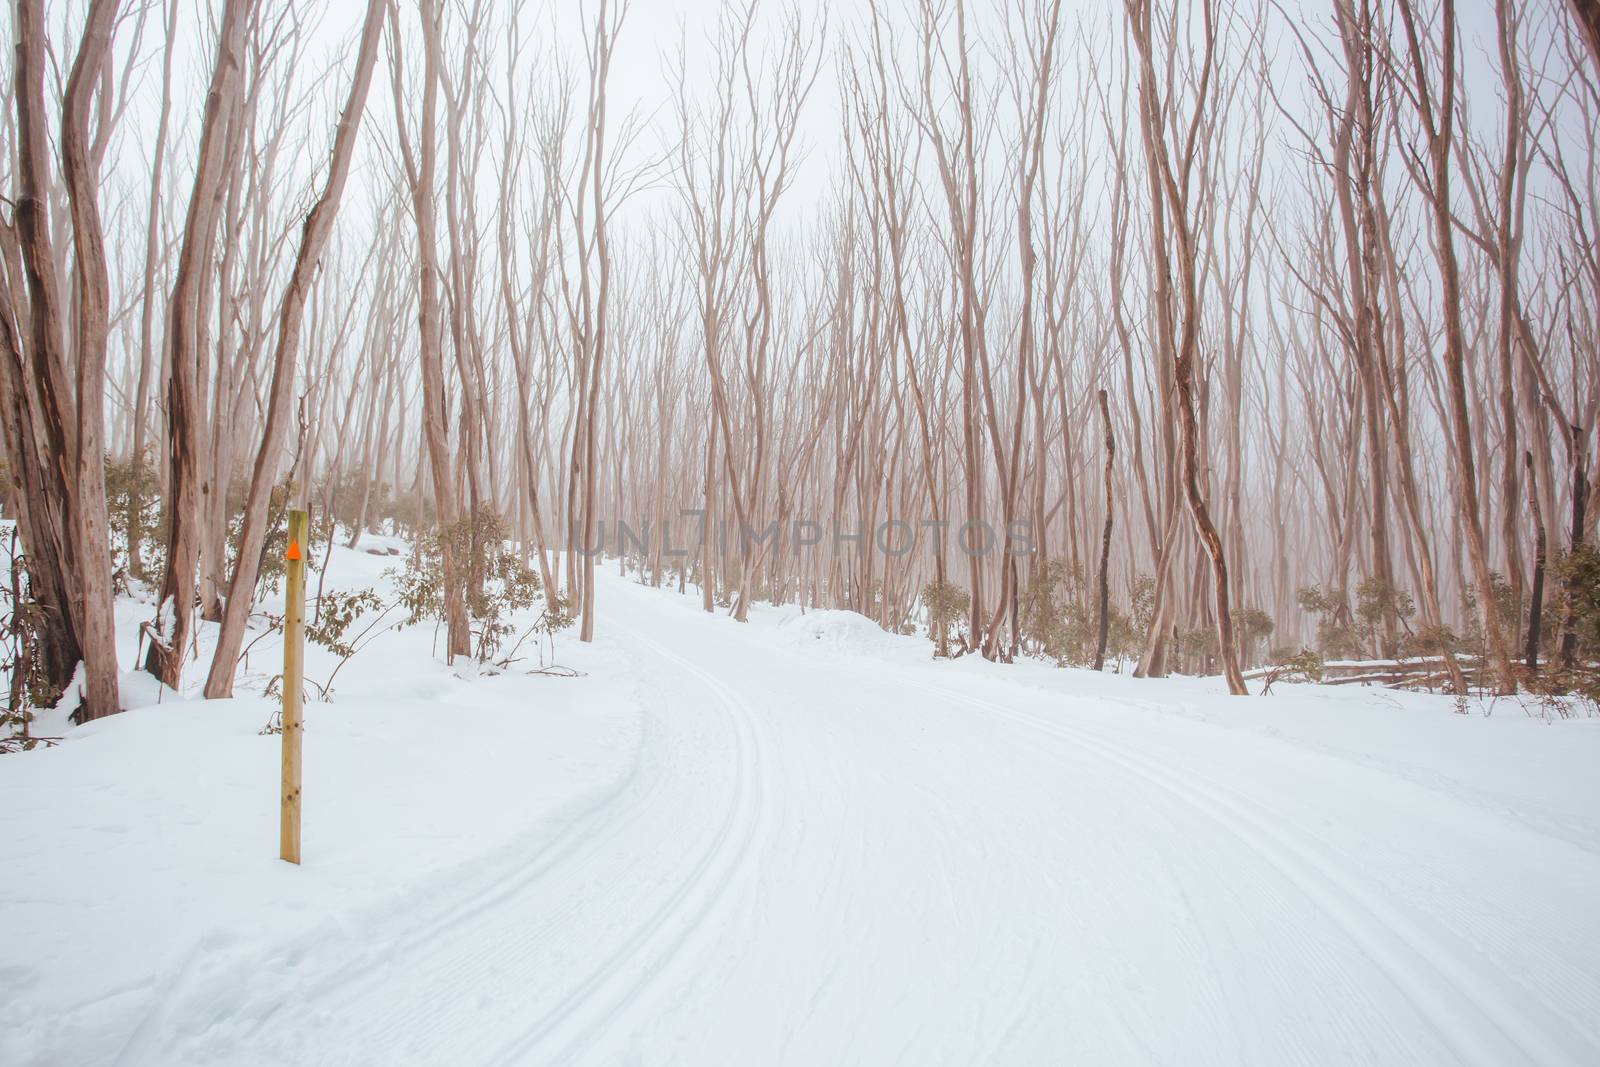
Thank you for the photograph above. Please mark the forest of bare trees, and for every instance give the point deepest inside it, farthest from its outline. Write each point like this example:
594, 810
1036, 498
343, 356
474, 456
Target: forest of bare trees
1186, 337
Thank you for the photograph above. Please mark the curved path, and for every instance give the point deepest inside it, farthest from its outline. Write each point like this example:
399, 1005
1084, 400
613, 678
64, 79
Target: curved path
831, 859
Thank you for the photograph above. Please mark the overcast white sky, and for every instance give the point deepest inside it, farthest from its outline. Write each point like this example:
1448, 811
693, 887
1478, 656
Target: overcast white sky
648, 45
654, 29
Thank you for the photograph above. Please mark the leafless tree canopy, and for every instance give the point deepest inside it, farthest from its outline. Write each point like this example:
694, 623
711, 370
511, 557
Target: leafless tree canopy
1179, 336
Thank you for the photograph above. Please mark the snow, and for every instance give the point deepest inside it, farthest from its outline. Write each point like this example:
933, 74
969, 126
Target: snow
801, 840
381, 545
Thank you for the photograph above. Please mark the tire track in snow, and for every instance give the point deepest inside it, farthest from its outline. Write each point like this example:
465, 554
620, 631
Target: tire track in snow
1437, 978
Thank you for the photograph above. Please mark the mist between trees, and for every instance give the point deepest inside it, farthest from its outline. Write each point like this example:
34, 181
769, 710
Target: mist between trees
1263, 331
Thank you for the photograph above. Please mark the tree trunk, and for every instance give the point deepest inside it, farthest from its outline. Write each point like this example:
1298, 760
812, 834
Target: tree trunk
69, 524
420, 168
1104, 581
314, 237
170, 634
1580, 506
1540, 546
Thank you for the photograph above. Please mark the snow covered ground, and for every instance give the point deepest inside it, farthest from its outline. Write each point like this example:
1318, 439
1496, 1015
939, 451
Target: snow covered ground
802, 841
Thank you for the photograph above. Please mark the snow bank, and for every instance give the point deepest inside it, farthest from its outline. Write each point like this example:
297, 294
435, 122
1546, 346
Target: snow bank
141, 853
842, 633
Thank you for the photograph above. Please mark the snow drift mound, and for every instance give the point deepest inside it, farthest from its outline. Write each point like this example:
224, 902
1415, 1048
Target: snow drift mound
846, 632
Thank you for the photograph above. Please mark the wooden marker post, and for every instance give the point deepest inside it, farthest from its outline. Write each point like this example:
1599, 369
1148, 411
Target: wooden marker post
294, 666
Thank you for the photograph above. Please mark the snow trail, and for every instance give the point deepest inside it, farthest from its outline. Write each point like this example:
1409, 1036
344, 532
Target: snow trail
520, 967
827, 848
1484, 1021
617, 983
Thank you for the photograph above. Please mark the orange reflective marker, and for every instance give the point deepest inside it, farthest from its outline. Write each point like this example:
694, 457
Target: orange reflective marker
294, 550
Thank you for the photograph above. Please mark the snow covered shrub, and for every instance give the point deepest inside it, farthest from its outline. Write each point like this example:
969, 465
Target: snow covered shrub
727, 583
420, 587
499, 585
1057, 617
133, 506
1337, 637
879, 604
330, 628
1127, 632
1196, 649
1124, 638
666, 571
1251, 626
1575, 687
509, 586
1510, 613
1580, 570
1583, 566
1376, 600
29, 684
411, 514
1565, 694
336, 613
274, 549
1143, 604
946, 602
356, 500
1287, 665
556, 616
1343, 633
1431, 641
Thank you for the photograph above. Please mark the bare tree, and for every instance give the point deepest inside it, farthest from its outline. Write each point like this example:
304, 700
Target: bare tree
56, 404
169, 635
1169, 169
1438, 122
314, 238
420, 167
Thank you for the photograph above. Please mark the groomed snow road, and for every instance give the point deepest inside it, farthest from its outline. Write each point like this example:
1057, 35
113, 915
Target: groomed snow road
831, 850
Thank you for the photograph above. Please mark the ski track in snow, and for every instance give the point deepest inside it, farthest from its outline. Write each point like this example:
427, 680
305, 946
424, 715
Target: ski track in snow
526, 965
823, 857
613, 986
1483, 1023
